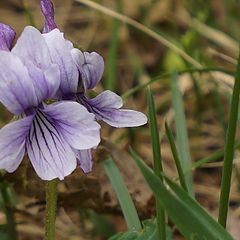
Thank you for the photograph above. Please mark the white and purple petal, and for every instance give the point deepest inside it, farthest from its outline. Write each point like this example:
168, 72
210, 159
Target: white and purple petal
84, 159
49, 152
12, 143
121, 118
32, 49
76, 124
48, 12
90, 66
106, 107
17, 92
60, 51
7, 35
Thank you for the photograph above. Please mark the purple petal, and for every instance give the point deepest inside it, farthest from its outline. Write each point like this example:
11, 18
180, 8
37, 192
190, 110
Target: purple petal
84, 159
48, 12
90, 66
32, 49
120, 118
107, 99
60, 50
76, 124
12, 143
106, 108
7, 35
49, 152
17, 92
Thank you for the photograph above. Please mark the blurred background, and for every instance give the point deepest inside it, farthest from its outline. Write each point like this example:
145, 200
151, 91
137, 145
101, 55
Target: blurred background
174, 35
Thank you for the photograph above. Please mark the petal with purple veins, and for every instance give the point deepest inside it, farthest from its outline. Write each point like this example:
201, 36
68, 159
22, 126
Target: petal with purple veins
49, 152
60, 51
48, 12
76, 124
106, 107
12, 143
120, 118
90, 66
84, 159
7, 35
17, 92
32, 49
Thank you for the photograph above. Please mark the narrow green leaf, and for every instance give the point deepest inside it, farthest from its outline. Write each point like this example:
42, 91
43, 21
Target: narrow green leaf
154, 135
229, 150
190, 218
157, 160
176, 157
181, 130
124, 198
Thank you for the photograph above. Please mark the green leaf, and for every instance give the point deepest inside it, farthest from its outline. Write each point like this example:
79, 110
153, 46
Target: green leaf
124, 198
229, 149
181, 130
190, 218
149, 232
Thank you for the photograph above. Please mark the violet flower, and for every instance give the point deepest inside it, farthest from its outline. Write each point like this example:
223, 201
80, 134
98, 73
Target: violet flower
89, 67
84, 69
50, 133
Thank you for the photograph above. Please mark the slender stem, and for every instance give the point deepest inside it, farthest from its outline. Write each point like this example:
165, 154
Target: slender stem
51, 207
229, 150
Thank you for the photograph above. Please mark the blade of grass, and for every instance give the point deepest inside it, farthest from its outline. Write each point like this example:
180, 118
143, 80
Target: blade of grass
139, 87
112, 54
157, 159
229, 150
176, 157
124, 198
190, 218
142, 28
181, 132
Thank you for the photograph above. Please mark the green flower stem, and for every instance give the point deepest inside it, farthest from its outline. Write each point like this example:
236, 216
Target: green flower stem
51, 207
229, 150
